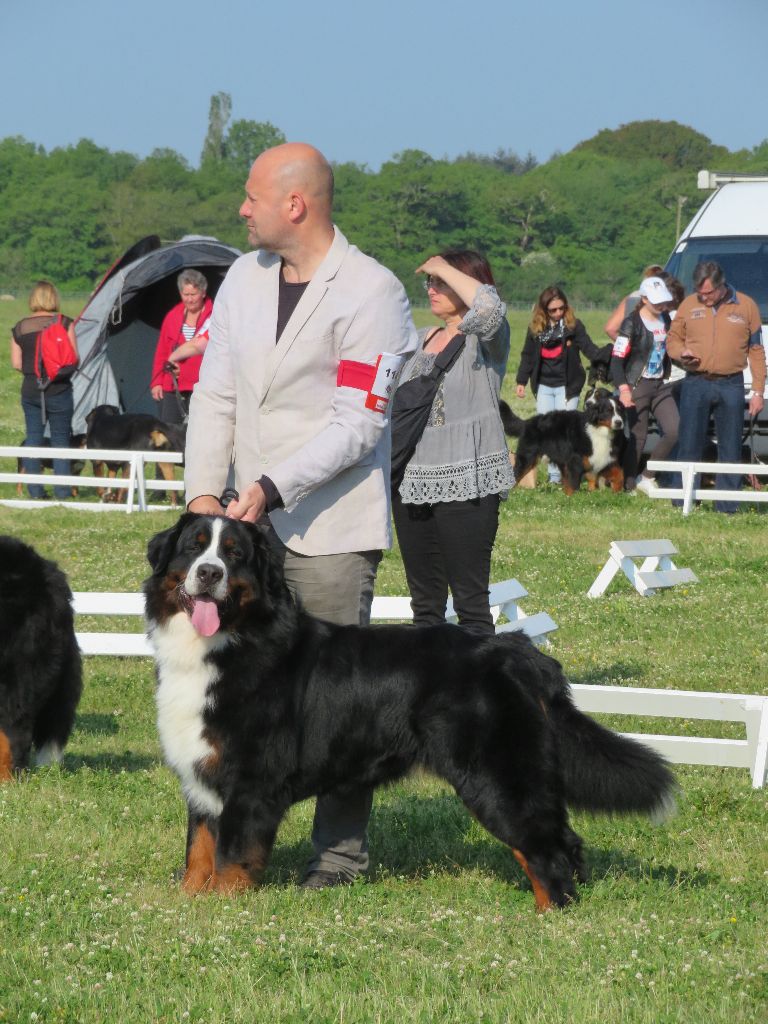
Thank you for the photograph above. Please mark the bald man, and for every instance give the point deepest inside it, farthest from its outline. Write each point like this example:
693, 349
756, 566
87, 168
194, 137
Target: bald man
306, 339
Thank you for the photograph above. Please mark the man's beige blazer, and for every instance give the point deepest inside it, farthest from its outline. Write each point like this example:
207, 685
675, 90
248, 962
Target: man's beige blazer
276, 409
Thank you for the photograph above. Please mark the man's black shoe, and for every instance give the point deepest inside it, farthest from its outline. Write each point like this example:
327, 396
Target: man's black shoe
324, 879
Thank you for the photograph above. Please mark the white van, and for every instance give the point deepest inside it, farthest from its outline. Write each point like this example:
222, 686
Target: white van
732, 229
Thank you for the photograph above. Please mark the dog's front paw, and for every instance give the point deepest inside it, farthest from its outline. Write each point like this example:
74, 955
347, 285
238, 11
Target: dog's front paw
231, 878
196, 881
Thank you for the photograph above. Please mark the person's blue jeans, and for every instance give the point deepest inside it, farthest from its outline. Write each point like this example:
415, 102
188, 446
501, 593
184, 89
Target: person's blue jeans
549, 400
723, 397
58, 411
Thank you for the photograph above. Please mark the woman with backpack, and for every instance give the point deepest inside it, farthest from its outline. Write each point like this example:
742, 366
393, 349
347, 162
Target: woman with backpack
51, 404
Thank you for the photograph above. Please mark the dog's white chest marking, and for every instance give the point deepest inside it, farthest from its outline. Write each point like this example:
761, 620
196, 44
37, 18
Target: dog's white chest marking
601, 439
184, 681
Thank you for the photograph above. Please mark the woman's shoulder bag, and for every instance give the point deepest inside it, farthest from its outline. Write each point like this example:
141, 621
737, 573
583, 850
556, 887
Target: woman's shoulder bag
411, 406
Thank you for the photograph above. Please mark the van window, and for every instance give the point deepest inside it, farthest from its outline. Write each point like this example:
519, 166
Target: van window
744, 260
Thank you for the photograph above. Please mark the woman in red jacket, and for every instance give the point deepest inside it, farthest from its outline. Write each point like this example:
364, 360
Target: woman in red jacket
183, 323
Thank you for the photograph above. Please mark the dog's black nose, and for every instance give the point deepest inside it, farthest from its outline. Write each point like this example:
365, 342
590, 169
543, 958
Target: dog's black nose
209, 575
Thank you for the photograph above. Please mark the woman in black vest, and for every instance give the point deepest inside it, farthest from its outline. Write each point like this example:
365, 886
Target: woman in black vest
551, 357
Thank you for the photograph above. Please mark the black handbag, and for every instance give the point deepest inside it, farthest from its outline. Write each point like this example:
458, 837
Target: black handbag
411, 407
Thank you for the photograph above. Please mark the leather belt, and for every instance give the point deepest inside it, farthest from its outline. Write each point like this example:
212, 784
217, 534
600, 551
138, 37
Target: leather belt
718, 376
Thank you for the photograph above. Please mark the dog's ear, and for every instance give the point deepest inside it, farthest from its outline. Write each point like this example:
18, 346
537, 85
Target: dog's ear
592, 408
161, 547
267, 568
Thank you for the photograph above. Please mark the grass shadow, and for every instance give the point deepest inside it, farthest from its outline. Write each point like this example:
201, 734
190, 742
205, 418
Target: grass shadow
416, 836
125, 761
603, 675
97, 724
608, 862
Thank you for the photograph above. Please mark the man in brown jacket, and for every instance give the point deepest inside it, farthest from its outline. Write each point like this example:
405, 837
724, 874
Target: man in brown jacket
715, 333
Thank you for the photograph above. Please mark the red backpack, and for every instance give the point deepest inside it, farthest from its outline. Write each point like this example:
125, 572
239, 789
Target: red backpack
55, 356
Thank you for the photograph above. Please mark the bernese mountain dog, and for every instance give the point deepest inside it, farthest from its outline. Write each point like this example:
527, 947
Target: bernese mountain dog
581, 444
40, 666
259, 706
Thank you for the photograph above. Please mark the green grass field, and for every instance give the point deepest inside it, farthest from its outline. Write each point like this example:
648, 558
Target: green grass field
672, 926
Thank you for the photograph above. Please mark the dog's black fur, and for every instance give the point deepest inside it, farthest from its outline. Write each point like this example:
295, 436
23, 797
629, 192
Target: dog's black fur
107, 427
40, 666
289, 707
588, 443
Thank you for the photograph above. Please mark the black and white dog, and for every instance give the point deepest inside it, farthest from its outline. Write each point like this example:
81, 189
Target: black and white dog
588, 443
259, 705
40, 667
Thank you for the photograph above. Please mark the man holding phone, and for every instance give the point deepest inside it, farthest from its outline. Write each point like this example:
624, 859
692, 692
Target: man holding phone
715, 333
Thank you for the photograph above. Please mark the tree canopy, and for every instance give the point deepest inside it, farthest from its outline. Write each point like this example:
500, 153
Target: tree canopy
589, 219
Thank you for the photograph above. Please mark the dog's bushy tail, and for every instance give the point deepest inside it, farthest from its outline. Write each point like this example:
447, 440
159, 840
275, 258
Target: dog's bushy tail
513, 425
606, 772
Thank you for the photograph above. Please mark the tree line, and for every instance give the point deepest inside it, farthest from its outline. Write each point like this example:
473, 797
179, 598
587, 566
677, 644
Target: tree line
589, 219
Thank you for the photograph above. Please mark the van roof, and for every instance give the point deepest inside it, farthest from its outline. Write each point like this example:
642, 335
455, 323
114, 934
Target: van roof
737, 208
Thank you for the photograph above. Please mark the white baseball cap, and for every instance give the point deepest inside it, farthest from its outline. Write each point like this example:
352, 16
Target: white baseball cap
654, 289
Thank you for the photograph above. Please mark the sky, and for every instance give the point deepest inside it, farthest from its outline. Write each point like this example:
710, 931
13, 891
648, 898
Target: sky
364, 81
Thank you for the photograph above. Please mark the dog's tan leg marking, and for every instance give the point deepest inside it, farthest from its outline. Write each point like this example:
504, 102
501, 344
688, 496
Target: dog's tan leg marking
540, 894
98, 470
615, 477
6, 758
167, 470
200, 862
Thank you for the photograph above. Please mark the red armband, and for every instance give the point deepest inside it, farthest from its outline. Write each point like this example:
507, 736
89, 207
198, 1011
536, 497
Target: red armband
378, 381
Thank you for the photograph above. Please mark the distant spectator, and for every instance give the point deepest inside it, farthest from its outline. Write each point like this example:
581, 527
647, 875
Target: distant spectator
640, 368
45, 306
625, 307
551, 357
186, 320
715, 333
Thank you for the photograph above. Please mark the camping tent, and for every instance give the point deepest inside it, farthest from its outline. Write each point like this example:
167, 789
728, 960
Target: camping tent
118, 329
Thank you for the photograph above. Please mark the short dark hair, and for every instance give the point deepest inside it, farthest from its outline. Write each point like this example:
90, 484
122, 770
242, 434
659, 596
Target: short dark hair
708, 270
470, 262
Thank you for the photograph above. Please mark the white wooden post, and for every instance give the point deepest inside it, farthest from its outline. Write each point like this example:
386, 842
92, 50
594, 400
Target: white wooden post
689, 479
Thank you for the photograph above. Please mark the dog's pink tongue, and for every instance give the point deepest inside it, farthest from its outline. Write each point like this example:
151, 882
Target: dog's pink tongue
205, 616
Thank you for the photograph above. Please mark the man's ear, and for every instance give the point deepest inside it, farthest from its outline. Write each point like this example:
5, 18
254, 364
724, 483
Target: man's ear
161, 547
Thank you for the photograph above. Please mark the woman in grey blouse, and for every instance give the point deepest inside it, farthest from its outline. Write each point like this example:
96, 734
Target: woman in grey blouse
447, 509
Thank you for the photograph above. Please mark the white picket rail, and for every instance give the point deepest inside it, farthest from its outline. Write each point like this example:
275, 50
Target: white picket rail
749, 709
503, 597
688, 493
135, 484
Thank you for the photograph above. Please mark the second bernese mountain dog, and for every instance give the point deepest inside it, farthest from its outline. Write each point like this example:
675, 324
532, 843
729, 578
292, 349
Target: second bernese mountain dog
259, 706
40, 665
581, 444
